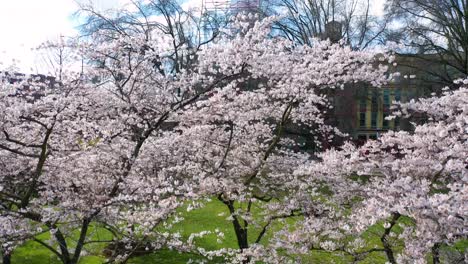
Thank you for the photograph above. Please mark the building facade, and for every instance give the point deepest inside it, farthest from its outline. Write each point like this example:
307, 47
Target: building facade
361, 111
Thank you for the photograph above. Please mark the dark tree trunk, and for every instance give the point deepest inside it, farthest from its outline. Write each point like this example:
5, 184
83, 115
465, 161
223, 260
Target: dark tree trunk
6, 259
81, 240
241, 231
389, 252
241, 235
387, 246
65, 255
436, 253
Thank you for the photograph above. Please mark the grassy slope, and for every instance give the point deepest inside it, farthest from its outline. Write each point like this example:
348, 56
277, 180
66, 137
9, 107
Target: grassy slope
213, 215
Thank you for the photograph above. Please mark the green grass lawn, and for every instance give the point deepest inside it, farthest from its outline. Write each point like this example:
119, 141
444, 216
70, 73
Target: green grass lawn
209, 217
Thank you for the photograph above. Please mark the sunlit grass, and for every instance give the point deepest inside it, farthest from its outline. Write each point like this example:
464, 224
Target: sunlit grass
213, 215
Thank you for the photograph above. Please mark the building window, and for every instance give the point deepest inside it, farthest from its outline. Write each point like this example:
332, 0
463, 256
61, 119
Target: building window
397, 95
363, 105
385, 122
374, 110
386, 101
374, 120
362, 112
375, 102
386, 109
362, 119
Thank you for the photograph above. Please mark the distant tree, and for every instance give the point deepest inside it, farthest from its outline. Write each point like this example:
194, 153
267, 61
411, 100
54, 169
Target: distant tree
435, 32
350, 20
186, 29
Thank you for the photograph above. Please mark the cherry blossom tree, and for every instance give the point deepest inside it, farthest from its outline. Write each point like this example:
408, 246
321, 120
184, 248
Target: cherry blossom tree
123, 143
419, 175
73, 154
242, 158
33, 117
232, 144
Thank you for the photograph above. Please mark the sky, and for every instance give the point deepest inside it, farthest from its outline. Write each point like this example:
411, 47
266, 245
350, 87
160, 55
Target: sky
25, 24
